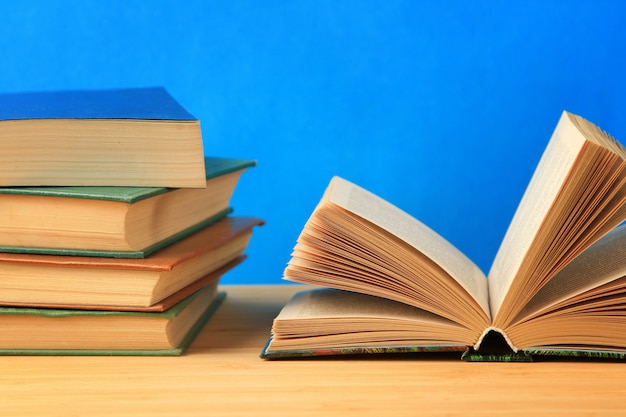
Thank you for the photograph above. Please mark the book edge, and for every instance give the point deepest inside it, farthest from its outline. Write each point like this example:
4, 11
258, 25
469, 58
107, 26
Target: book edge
182, 347
214, 167
140, 254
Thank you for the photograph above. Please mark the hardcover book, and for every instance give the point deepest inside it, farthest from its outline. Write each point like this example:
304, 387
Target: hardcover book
389, 283
124, 222
32, 331
27, 279
113, 137
157, 307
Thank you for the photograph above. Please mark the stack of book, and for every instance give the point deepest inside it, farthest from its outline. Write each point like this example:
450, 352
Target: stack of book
114, 226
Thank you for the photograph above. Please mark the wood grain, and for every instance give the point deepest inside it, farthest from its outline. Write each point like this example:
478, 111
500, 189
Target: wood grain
222, 375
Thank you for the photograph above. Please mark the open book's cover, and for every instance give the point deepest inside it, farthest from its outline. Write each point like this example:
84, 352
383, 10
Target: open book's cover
214, 167
539, 354
149, 103
365, 350
170, 313
467, 354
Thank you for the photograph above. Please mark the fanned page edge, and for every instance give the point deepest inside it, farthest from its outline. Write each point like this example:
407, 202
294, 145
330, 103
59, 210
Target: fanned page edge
561, 156
349, 196
599, 265
539, 195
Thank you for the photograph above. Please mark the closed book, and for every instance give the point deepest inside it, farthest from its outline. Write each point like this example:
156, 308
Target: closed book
159, 306
38, 331
127, 222
106, 137
27, 279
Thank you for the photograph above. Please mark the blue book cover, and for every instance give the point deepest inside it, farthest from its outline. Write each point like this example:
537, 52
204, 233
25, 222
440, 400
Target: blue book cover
150, 103
136, 137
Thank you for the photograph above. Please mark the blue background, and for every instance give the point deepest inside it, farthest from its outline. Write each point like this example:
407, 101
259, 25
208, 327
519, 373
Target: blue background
441, 107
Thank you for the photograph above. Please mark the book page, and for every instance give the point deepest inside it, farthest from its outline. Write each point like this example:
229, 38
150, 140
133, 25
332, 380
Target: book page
545, 184
603, 262
576, 195
332, 303
385, 215
330, 318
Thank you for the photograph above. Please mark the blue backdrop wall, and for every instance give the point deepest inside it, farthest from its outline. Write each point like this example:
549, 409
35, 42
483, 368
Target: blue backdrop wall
441, 107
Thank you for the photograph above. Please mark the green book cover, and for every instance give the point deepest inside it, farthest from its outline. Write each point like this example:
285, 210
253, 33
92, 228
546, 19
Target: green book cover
544, 353
214, 166
467, 353
170, 314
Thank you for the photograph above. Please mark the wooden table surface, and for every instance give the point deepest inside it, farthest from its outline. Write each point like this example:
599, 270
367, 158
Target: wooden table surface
222, 375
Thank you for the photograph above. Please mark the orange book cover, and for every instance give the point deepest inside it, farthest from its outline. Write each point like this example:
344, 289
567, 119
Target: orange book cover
29, 279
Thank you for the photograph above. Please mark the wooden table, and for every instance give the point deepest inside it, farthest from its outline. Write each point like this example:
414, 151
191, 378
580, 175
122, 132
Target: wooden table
222, 375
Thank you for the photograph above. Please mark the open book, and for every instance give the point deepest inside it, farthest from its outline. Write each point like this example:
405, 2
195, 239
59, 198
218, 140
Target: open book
557, 284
